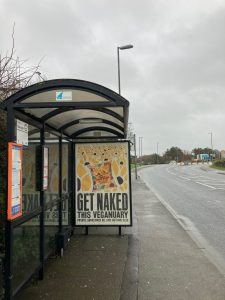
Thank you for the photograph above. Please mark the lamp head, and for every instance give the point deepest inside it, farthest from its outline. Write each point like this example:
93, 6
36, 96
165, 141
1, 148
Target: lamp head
126, 47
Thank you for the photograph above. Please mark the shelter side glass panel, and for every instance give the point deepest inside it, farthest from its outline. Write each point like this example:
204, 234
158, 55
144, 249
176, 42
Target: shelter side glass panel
51, 194
26, 237
26, 253
30, 173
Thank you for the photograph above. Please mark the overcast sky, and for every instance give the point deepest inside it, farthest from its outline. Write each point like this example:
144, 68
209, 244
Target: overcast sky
174, 77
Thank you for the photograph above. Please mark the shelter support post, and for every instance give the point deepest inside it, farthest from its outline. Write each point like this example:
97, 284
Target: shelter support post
120, 230
70, 181
9, 227
60, 184
42, 215
86, 230
73, 184
135, 156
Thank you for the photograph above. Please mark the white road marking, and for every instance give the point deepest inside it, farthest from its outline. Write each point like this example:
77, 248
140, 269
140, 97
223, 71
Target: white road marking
211, 187
198, 176
211, 183
212, 179
186, 178
217, 183
170, 172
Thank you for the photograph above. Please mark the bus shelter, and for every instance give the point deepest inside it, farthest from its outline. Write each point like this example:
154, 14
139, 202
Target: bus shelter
68, 165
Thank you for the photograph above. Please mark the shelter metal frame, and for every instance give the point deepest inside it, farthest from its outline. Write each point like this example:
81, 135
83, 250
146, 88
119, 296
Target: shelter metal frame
19, 106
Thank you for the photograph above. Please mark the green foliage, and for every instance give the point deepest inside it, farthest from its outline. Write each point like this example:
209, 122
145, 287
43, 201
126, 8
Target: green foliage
219, 163
197, 151
26, 253
175, 153
151, 159
133, 165
26, 245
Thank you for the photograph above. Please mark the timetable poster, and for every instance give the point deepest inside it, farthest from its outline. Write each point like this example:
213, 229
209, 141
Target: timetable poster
14, 181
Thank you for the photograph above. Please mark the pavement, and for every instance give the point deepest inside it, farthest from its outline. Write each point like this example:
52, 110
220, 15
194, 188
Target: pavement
155, 259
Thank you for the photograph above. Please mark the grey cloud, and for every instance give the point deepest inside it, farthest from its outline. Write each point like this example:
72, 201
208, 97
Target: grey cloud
193, 57
173, 77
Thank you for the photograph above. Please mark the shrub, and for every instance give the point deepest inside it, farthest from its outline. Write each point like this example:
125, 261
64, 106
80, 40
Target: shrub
219, 163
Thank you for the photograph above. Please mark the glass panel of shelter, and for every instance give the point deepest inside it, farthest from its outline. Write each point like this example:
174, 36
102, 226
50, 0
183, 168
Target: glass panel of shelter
51, 194
26, 237
26, 241
31, 192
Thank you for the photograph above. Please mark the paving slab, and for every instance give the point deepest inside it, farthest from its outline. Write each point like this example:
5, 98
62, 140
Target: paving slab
91, 268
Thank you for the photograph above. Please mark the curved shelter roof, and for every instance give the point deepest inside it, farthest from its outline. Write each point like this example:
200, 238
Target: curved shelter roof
76, 108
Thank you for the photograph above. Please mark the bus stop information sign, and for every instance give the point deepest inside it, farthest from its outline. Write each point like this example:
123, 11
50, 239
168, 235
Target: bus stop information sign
14, 181
103, 184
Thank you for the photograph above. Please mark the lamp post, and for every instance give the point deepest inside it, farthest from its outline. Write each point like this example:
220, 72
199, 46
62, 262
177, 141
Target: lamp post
135, 156
211, 145
118, 59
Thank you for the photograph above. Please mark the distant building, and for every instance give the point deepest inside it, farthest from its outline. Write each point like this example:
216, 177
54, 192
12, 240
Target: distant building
203, 157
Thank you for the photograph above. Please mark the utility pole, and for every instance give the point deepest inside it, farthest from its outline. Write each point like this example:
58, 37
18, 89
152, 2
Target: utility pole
157, 148
139, 147
211, 145
135, 156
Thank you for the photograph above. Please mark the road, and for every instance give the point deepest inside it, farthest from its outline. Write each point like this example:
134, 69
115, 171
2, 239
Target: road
195, 195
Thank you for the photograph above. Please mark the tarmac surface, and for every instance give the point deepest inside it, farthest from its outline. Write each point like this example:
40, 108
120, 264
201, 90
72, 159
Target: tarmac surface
155, 259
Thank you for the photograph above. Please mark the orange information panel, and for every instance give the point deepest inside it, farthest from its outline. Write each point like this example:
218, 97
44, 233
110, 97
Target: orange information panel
14, 181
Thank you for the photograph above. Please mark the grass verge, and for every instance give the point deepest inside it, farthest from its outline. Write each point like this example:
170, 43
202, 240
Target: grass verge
133, 165
217, 168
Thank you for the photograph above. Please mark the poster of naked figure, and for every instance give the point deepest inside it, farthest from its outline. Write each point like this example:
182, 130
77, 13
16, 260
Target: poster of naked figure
102, 184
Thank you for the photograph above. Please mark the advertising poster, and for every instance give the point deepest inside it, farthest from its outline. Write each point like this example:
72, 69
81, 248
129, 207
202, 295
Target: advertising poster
103, 184
45, 169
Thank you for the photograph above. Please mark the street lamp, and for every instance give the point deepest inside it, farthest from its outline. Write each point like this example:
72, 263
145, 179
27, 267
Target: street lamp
211, 145
118, 58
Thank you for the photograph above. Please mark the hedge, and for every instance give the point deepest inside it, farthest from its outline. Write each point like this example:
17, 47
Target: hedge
219, 163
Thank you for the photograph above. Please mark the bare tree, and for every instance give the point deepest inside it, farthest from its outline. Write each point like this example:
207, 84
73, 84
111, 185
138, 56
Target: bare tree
15, 74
